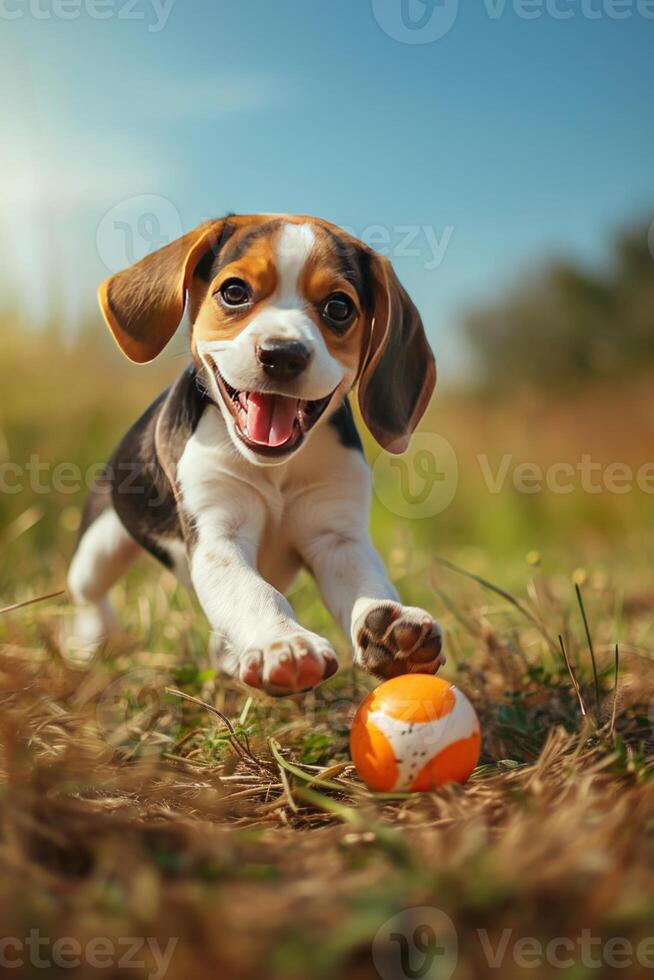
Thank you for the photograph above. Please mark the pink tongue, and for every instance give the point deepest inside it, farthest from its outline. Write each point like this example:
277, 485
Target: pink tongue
270, 418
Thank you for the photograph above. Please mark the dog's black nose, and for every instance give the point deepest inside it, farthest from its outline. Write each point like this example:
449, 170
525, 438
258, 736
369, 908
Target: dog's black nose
282, 359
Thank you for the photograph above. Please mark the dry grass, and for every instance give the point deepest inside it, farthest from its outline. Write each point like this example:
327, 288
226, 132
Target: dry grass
127, 810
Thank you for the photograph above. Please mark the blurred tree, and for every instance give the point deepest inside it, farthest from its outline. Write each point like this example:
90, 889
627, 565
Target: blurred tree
566, 324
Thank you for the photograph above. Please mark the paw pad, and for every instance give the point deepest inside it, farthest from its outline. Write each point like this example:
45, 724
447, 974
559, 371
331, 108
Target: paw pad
395, 639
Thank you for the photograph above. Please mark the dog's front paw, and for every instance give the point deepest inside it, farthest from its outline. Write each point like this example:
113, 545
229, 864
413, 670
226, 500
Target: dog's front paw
289, 665
391, 639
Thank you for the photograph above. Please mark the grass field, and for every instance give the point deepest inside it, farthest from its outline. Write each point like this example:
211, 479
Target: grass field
235, 825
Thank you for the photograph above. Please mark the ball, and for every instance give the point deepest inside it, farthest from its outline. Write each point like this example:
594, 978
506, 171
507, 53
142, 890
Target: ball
413, 733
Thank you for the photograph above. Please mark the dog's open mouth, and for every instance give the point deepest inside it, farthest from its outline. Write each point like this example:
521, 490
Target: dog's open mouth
268, 423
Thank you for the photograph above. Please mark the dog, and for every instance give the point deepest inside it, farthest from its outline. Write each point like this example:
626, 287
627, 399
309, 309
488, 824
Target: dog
250, 466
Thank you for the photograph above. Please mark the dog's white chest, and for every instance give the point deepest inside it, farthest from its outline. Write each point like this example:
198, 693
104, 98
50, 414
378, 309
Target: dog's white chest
221, 491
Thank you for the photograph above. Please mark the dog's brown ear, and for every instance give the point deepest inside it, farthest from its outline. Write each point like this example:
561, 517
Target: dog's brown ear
144, 304
398, 371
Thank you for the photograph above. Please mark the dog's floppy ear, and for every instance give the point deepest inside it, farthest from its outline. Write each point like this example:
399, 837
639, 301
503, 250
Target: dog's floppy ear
398, 370
144, 304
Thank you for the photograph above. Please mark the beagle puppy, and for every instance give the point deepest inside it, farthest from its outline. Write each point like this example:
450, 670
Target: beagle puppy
250, 466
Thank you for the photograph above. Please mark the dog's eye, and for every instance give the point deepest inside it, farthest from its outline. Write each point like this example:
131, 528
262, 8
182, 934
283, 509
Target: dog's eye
235, 292
339, 312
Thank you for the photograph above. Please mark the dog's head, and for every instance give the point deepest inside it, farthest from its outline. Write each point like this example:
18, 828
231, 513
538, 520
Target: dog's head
287, 314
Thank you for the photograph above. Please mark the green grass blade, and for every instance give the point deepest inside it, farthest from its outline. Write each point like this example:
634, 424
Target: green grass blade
591, 649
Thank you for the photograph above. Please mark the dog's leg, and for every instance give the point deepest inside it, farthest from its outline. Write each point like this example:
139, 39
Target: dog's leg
262, 642
104, 553
388, 638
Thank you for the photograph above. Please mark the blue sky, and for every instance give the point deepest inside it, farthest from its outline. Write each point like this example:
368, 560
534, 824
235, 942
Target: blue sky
502, 142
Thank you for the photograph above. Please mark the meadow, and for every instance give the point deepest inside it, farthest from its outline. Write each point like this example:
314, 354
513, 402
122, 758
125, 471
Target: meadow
146, 796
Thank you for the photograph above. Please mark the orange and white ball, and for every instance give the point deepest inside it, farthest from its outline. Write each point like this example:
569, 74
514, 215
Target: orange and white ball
413, 733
